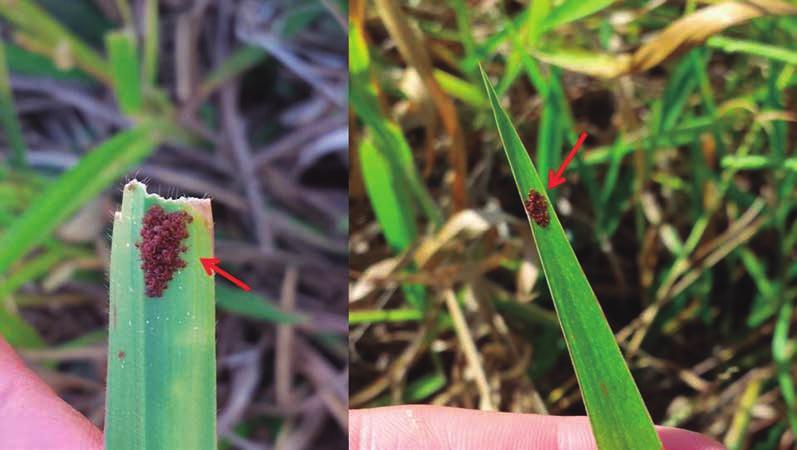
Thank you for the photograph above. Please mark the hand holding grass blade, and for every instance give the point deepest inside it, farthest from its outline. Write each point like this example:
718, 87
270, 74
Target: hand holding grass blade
615, 408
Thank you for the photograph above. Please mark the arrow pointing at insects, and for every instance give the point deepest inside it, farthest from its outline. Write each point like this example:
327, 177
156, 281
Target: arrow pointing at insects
211, 266
556, 178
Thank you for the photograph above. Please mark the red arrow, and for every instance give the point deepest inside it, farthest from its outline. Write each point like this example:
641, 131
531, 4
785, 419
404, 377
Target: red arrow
211, 265
556, 178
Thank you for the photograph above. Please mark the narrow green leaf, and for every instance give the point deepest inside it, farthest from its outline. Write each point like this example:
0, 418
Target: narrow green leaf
387, 136
747, 162
740, 426
161, 351
247, 304
47, 36
149, 70
28, 63
525, 316
679, 87
460, 89
126, 12
617, 413
384, 315
392, 206
125, 70
549, 135
613, 172
572, 10
416, 390
765, 302
8, 116
535, 25
389, 198
17, 332
240, 61
729, 45
462, 14
782, 353
32, 269
82, 17
95, 172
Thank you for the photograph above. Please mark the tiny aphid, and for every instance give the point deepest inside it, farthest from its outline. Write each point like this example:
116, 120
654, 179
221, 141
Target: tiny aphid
537, 208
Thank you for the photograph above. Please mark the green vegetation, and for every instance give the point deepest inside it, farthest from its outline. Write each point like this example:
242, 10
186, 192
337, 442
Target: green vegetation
610, 395
679, 208
162, 358
96, 93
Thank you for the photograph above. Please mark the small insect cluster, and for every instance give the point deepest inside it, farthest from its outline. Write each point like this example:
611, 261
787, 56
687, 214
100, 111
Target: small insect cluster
537, 208
161, 247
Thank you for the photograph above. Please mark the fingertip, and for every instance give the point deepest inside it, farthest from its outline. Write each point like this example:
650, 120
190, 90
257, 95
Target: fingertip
679, 439
28, 406
421, 427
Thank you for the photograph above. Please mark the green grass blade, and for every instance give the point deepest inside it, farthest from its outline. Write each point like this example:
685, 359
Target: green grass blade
416, 390
28, 63
730, 45
17, 332
161, 351
384, 315
149, 71
392, 206
387, 136
239, 62
47, 36
84, 18
247, 304
390, 200
30, 270
95, 171
460, 89
8, 116
124, 70
549, 135
534, 26
679, 87
740, 426
781, 353
126, 12
757, 162
464, 29
524, 38
617, 413
572, 10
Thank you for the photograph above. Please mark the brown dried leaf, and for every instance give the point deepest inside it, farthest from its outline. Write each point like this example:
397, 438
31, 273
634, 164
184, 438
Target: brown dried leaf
694, 29
465, 225
682, 35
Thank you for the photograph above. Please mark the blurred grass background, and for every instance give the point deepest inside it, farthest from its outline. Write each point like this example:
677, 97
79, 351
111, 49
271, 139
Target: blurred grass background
241, 101
680, 206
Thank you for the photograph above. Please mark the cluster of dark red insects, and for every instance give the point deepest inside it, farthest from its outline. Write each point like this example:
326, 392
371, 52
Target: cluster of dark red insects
537, 208
161, 247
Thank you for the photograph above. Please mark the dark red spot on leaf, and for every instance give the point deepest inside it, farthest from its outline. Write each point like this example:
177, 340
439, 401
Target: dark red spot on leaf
121, 355
537, 208
161, 247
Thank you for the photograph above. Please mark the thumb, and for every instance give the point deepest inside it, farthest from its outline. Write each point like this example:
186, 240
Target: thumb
33, 417
421, 427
